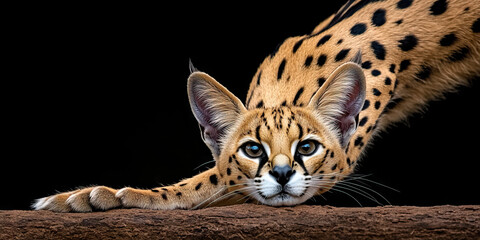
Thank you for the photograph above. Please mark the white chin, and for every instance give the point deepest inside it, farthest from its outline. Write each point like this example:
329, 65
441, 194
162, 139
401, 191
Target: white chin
282, 200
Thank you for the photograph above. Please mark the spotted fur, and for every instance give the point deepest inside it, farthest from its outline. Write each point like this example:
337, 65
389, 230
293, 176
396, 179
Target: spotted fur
373, 63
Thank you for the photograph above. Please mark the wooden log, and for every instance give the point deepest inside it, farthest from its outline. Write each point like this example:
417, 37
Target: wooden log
248, 221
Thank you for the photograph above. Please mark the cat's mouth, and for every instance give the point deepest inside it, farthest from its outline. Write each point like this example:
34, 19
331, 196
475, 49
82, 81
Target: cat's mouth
284, 196
279, 196
282, 199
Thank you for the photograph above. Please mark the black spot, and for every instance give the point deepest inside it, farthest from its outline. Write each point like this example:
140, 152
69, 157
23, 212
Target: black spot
183, 184
388, 81
404, 65
378, 50
199, 185
239, 177
229, 171
321, 81
358, 141
214, 179
179, 194
297, 96
476, 26
258, 78
366, 104
459, 54
402, 4
376, 72
378, 18
332, 154
321, 60
275, 50
399, 22
377, 105
154, 190
438, 7
366, 65
284, 103
260, 104
424, 73
369, 129
281, 68
349, 162
358, 29
344, 14
392, 68
448, 40
230, 159
323, 40
376, 92
164, 196
341, 55
339, 41
308, 61
363, 121
297, 45
232, 182
334, 166
408, 43
392, 104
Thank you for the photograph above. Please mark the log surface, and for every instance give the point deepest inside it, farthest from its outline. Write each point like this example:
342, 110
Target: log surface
248, 221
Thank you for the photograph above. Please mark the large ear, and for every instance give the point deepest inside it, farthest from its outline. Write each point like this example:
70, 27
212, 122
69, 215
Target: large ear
339, 101
215, 108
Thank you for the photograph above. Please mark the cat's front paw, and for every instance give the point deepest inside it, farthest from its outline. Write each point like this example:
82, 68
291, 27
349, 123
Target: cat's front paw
138, 198
81, 200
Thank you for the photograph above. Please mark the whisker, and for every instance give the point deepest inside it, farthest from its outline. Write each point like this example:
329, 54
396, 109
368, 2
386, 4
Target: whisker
379, 184
359, 192
206, 200
340, 191
247, 196
229, 194
203, 164
352, 184
365, 178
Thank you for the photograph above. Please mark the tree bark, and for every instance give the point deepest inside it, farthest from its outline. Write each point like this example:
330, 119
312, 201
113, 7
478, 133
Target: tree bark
248, 221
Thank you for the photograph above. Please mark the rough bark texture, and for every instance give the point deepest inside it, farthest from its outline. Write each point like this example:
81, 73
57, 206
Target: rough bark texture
248, 222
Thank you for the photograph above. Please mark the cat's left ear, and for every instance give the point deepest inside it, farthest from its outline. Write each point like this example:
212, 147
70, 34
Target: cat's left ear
215, 108
339, 101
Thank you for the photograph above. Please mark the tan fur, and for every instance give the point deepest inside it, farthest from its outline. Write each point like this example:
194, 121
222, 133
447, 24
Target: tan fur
283, 111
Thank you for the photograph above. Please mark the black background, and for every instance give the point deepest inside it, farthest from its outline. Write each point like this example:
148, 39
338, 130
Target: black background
96, 95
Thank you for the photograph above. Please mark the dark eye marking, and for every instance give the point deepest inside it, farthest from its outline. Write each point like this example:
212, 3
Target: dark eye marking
257, 133
300, 131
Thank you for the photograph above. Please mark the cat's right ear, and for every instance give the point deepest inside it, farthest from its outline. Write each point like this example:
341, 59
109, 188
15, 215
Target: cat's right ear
215, 108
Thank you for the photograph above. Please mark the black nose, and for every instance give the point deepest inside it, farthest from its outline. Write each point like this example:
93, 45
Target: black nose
282, 174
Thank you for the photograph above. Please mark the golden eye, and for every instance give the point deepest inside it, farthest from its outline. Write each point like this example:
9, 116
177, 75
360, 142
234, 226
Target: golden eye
307, 147
252, 149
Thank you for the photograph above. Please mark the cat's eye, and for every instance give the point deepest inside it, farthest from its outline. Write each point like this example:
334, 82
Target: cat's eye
252, 149
307, 147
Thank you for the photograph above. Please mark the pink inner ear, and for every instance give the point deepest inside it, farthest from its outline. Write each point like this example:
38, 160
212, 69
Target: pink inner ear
205, 117
351, 109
